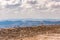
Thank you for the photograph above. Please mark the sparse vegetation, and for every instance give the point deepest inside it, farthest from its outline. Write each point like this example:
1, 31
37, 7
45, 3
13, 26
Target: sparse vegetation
23, 32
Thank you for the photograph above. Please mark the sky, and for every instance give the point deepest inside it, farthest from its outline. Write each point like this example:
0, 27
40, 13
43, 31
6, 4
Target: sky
24, 9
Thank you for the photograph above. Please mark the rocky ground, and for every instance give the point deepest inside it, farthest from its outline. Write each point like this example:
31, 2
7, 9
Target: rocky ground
48, 32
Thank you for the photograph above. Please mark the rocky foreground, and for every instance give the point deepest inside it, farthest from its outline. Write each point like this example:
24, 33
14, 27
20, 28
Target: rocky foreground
48, 32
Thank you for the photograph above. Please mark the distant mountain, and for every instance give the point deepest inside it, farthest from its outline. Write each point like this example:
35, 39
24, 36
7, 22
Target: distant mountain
51, 22
26, 23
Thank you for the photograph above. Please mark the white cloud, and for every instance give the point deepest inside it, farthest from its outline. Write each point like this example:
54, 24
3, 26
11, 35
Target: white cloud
43, 9
37, 3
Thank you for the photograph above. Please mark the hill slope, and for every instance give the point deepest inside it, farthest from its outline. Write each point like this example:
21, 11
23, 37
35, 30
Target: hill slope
29, 33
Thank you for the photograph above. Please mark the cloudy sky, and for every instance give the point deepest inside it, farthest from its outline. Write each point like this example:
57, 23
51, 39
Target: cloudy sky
35, 9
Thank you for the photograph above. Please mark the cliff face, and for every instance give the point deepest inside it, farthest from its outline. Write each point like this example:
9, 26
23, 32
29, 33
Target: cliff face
30, 33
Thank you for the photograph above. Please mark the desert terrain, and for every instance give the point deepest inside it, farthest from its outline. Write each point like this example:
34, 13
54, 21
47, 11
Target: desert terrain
43, 32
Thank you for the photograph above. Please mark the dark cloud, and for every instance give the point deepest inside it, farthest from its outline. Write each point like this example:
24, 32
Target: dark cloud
55, 6
7, 0
32, 2
12, 6
56, 0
